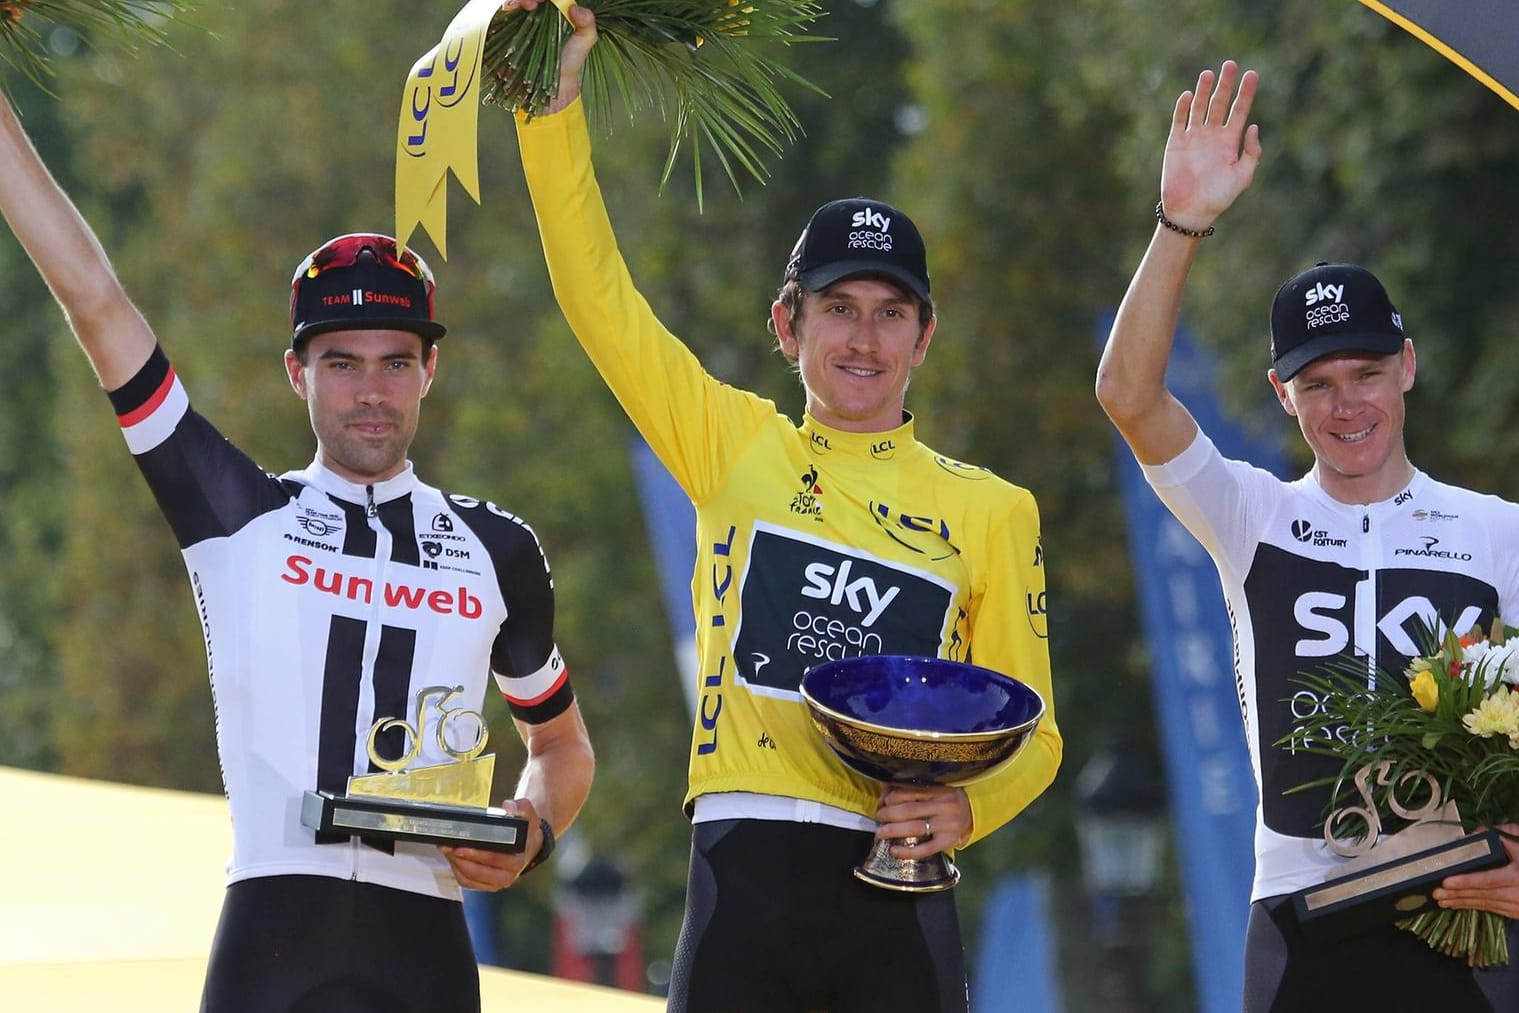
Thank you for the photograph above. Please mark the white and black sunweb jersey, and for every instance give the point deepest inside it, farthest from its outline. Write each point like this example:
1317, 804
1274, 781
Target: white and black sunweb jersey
1308, 579
327, 606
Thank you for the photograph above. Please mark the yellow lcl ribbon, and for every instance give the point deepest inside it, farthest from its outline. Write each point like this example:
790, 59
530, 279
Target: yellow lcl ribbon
440, 123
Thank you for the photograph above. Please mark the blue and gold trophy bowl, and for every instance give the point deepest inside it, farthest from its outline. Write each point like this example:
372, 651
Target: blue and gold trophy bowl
918, 721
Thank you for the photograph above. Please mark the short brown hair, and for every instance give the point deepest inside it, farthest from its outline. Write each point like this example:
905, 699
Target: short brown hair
792, 294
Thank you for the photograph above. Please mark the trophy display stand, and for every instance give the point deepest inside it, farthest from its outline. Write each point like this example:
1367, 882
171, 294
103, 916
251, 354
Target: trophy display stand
1394, 876
442, 803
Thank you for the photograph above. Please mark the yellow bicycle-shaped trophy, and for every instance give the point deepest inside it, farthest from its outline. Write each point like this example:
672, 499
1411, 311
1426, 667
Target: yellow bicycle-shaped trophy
438, 803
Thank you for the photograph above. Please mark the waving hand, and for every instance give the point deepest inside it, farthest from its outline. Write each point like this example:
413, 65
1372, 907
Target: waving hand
1211, 154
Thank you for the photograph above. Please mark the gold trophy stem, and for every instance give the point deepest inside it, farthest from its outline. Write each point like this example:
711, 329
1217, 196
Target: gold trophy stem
907, 875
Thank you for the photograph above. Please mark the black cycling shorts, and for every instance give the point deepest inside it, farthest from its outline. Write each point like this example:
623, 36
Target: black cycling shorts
777, 923
316, 944
1385, 968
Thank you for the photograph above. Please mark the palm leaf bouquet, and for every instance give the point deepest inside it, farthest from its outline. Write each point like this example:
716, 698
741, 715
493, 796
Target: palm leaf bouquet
1452, 714
710, 67
26, 24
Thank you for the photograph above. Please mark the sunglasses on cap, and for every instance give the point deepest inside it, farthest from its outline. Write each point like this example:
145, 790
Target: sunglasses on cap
361, 280
345, 251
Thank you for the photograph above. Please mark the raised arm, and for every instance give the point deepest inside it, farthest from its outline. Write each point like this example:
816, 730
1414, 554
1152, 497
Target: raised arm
112, 333
1210, 160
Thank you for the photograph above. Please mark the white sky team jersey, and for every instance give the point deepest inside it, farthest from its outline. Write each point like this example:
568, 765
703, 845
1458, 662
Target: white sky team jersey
327, 606
1307, 580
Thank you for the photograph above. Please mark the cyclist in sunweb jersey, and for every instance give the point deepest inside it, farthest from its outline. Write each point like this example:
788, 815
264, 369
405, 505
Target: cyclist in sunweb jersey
1356, 556
838, 537
330, 598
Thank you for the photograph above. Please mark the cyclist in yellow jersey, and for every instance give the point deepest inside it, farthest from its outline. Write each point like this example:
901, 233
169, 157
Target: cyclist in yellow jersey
838, 537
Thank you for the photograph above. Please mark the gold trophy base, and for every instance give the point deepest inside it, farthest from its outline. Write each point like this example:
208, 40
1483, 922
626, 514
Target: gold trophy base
1378, 894
907, 875
405, 820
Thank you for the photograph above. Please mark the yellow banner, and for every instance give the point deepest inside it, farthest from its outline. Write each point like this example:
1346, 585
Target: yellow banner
439, 124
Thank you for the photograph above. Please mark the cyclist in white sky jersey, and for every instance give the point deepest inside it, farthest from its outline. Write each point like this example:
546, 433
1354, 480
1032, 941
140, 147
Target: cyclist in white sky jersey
1354, 557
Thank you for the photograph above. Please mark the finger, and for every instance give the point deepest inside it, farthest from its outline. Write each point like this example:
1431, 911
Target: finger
1179, 113
484, 875
920, 846
1252, 149
1476, 901
900, 793
1239, 112
1487, 879
1198, 114
1218, 102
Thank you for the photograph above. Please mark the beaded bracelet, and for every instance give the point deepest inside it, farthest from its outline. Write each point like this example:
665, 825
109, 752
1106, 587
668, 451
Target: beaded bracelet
1160, 216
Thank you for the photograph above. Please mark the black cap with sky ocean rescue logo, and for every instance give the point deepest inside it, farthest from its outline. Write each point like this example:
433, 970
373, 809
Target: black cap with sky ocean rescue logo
1331, 308
859, 236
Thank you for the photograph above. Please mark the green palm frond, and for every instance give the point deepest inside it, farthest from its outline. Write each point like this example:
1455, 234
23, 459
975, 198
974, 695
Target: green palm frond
126, 24
702, 65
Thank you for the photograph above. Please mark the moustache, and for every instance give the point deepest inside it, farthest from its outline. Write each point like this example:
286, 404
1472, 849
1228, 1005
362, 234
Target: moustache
370, 415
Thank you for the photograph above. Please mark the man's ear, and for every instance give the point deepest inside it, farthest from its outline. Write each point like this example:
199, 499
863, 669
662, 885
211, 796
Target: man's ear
1282, 394
429, 369
296, 372
920, 349
785, 333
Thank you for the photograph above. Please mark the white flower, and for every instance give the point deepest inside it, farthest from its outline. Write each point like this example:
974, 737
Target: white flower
1510, 671
1495, 663
1473, 659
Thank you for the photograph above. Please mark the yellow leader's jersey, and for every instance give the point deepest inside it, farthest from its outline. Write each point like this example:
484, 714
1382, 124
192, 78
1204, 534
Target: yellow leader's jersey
813, 543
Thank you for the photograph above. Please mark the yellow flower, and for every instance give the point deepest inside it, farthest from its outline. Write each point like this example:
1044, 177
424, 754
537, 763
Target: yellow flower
1496, 715
1426, 691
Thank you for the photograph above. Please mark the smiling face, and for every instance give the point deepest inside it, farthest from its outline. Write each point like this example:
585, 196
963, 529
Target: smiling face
1350, 409
855, 344
363, 390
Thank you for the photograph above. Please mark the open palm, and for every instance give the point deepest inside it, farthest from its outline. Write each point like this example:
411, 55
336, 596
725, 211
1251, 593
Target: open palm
1210, 154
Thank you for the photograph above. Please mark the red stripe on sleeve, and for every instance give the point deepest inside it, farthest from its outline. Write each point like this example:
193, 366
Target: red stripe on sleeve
149, 406
535, 701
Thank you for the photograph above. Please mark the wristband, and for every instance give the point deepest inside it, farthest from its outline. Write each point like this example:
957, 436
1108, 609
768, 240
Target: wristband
545, 849
1160, 216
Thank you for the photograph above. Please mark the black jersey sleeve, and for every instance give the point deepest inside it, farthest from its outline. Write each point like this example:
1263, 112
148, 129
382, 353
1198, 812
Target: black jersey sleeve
205, 486
524, 656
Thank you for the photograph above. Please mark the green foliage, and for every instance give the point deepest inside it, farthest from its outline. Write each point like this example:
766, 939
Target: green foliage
702, 64
1025, 141
25, 26
31, 524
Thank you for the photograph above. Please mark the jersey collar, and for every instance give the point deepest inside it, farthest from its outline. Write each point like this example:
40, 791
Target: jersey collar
1404, 496
319, 476
823, 441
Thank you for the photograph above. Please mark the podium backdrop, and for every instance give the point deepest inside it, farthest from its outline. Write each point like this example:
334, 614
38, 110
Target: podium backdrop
110, 896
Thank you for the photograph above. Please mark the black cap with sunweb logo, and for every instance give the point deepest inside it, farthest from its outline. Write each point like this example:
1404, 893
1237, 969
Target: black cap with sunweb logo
360, 282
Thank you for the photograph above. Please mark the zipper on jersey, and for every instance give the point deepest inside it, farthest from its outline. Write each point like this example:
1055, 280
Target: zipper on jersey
1371, 557
379, 568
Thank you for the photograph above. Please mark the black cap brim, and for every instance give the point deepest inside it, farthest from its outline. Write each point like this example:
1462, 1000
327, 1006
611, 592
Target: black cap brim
820, 278
1290, 364
430, 329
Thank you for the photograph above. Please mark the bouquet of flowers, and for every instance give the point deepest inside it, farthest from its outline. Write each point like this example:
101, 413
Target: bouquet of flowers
1453, 714
701, 63
25, 24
